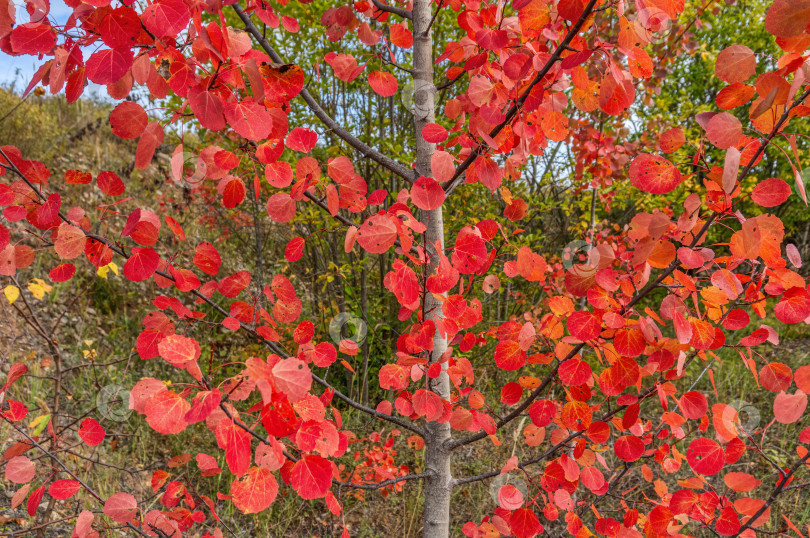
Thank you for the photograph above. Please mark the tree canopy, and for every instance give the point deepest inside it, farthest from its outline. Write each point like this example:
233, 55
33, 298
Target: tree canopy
509, 268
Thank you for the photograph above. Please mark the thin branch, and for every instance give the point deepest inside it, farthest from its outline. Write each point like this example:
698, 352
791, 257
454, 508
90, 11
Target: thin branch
547, 453
398, 11
780, 487
64, 467
272, 345
356, 143
435, 14
374, 486
455, 181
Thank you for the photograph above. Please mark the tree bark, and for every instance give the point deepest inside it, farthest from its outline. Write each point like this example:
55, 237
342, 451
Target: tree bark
437, 459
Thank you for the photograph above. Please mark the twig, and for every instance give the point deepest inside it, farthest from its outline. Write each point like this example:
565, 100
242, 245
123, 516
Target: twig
455, 181
356, 143
404, 13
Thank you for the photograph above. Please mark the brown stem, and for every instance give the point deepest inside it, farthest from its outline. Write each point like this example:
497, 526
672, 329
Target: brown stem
455, 181
272, 345
367, 151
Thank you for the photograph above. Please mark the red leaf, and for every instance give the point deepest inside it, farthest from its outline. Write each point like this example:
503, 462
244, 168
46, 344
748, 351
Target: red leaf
110, 184
15, 372
91, 432
70, 242
393, 377
584, 325
574, 372
593, 478
703, 334
184, 279
278, 174
383, 83
672, 140
120, 28
150, 140
282, 82
34, 500
281, 207
509, 355
121, 507
141, 264
705, 456
724, 130
654, 174
207, 108
179, 350
741, 482
736, 63
788, 408
232, 285
232, 190
693, 405
492, 39
787, 18
628, 448
311, 477
77, 177
165, 412
203, 404
108, 65
249, 119
470, 251
63, 489
377, 234
301, 139
20, 470
728, 524
128, 120
427, 194
794, 306
254, 491
434, 133
166, 17
294, 249
32, 38
771, 192
84, 524
793, 255
509, 497
293, 377
236, 443
206, 258
629, 342
524, 523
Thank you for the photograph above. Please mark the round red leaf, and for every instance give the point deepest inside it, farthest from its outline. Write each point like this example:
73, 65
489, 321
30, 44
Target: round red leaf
705, 456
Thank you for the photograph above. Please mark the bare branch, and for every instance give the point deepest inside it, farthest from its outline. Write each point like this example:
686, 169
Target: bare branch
272, 345
404, 13
317, 109
455, 181
780, 487
641, 293
64, 467
373, 486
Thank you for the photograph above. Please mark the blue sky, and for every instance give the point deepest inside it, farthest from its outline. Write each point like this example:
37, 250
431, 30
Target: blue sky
20, 69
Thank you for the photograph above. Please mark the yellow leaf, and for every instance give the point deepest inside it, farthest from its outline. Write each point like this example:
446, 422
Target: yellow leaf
103, 271
507, 195
11, 293
39, 288
38, 424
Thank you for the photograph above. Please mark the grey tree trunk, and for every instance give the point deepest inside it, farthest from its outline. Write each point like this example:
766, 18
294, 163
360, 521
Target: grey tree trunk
437, 459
